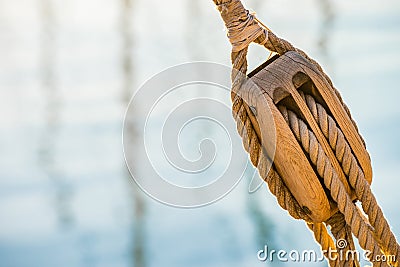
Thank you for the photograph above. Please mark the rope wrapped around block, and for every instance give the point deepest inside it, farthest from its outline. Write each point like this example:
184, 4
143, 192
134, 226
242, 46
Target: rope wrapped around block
374, 234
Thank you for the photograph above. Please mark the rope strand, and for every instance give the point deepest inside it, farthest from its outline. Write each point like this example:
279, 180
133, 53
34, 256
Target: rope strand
353, 217
355, 175
373, 234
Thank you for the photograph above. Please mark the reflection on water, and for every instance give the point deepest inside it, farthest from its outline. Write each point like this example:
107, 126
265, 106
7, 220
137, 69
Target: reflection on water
127, 49
193, 23
264, 228
52, 108
138, 219
326, 9
80, 61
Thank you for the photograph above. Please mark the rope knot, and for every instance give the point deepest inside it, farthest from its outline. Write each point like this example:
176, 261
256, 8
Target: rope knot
242, 27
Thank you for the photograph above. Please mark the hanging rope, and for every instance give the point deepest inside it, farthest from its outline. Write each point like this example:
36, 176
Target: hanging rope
359, 227
374, 233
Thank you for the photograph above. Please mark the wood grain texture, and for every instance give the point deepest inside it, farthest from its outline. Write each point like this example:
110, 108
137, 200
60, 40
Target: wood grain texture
289, 158
338, 112
276, 82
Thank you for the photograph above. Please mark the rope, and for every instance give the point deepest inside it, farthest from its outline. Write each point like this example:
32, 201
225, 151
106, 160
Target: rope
352, 216
341, 231
355, 175
374, 235
241, 112
325, 241
233, 13
260, 158
275, 183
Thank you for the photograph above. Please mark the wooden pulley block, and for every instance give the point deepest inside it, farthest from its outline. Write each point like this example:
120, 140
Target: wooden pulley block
284, 80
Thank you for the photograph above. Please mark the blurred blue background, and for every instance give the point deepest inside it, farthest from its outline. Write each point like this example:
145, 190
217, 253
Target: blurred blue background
67, 72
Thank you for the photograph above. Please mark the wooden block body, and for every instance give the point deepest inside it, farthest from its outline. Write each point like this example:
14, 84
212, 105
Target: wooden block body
280, 80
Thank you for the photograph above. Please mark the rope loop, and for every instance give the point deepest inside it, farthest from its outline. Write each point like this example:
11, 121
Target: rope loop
242, 26
373, 230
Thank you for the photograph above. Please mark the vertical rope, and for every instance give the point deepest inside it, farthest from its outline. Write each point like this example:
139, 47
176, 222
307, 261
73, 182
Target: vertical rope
373, 235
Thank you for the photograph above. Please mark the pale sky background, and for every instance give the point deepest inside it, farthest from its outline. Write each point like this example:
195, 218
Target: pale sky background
65, 196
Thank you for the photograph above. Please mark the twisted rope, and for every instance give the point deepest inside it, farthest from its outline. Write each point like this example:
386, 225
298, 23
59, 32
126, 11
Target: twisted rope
241, 111
251, 142
242, 114
244, 29
359, 227
275, 183
355, 175
326, 242
237, 18
340, 230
